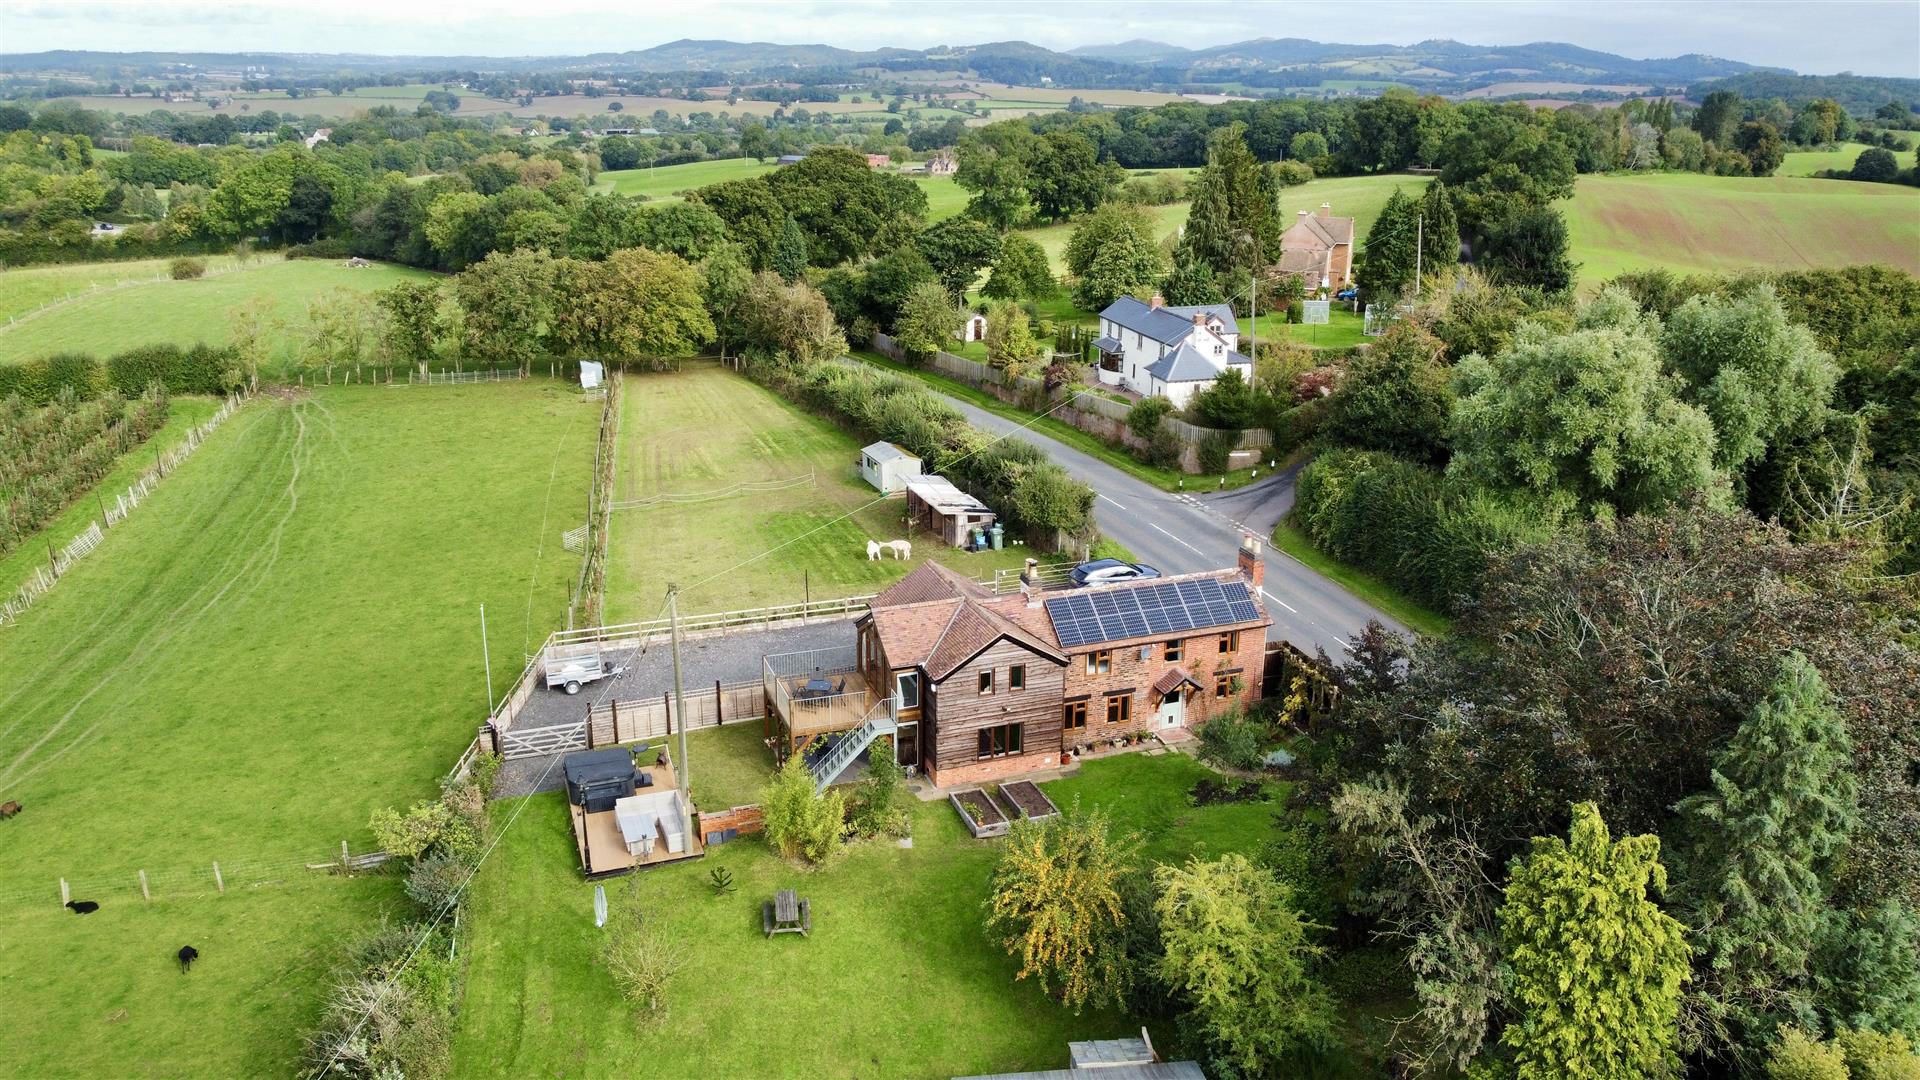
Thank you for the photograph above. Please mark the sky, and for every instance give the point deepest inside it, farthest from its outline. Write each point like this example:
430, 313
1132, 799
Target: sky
1866, 37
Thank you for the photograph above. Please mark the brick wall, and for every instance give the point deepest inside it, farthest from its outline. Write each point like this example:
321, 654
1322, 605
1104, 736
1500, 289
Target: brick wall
982, 772
1200, 657
746, 819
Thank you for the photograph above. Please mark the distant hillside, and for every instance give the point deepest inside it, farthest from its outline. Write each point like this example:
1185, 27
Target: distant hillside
1859, 94
1136, 51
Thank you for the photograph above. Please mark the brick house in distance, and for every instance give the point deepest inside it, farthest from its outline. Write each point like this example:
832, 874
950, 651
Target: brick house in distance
984, 687
1318, 248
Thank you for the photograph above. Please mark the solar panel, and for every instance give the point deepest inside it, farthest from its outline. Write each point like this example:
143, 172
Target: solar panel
1139, 611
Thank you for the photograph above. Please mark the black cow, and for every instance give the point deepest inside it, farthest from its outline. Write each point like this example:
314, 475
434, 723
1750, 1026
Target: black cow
83, 907
187, 954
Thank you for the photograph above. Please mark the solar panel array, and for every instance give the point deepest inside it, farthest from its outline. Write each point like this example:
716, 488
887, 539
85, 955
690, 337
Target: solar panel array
1149, 610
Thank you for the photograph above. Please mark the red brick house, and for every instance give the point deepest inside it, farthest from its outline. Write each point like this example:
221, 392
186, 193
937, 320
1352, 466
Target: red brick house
983, 687
1318, 248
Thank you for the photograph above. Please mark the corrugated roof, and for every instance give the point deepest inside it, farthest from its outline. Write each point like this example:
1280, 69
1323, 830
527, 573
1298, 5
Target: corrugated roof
939, 493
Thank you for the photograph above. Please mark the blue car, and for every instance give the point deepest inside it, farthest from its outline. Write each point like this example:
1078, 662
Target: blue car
1108, 571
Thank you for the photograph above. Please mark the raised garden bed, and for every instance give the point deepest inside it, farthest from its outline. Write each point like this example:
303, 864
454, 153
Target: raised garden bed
1028, 800
982, 814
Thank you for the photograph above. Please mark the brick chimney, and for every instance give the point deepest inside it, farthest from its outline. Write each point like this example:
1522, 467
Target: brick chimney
1200, 318
1298, 214
1326, 210
1248, 561
1158, 301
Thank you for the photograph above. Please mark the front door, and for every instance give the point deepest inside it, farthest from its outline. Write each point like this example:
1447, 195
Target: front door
1173, 709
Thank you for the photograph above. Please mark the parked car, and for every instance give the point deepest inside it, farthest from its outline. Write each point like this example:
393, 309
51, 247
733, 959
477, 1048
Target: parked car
1108, 571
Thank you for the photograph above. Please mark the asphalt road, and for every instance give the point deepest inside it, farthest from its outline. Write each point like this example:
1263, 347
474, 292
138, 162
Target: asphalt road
1181, 533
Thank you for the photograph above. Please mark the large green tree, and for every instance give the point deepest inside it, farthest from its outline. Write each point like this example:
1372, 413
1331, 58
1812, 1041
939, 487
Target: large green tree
1237, 954
1111, 253
959, 248
928, 319
1588, 413
1759, 376
1396, 396
1760, 843
635, 303
1021, 271
1525, 243
1385, 267
1234, 224
1597, 966
508, 303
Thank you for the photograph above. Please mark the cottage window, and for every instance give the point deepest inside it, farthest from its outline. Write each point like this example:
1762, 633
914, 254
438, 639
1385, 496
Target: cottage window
1222, 685
1174, 650
1230, 641
906, 693
986, 682
1074, 718
1100, 662
999, 740
1119, 708
1017, 677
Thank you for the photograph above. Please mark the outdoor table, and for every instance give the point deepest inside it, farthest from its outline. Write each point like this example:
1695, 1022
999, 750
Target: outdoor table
815, 689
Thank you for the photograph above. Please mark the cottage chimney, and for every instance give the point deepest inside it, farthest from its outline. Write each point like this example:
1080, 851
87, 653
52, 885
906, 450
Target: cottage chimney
1158, 301
1200, 318
1030, 583
1326, 210
1299, 215
1249, 563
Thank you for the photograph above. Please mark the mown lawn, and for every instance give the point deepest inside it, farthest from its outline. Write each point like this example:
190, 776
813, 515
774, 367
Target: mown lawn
187, 312
730, 765
283, 639
704, 430
897, 979
1685, 222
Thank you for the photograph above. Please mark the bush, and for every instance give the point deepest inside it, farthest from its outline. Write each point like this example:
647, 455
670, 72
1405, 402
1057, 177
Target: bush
1233, 740
1216, 450
1292, 173
435, 881
802, 822
876, 809
1164, 448
1371, 973
187, 269
642, 961
1144, 419
331, 248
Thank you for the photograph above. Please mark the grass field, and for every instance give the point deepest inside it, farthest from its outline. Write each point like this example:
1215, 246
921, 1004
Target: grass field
1686, 222
672, 181
945, 198
1808, 162
109, 321
896, 980
283, 639
704, 429
183, 413
24, 289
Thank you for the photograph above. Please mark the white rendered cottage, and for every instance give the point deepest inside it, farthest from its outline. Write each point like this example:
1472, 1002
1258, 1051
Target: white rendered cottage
1170, 352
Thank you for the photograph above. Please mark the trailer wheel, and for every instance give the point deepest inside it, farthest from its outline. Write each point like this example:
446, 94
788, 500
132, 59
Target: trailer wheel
573, 686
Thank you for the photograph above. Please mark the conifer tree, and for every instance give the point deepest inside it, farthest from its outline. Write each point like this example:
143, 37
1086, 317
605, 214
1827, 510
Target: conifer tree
1781, 805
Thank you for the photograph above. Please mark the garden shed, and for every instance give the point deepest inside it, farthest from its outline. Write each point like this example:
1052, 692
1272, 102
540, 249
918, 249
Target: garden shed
887, 467
934, 504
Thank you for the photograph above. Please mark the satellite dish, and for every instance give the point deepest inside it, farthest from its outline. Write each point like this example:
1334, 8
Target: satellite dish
599, 905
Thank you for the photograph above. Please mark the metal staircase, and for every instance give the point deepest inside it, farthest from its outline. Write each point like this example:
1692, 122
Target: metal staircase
852, 744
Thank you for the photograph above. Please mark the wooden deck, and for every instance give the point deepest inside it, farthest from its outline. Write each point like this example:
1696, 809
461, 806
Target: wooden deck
603, 851
805, 719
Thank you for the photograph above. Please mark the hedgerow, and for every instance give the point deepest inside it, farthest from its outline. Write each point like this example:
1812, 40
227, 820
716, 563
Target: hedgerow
197, 369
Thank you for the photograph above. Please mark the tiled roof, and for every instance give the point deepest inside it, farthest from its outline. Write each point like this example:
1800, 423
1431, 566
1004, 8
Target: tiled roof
1185, 364
910, 632
1170, 679
1328, 231
974, 627
928, 581
1166, 325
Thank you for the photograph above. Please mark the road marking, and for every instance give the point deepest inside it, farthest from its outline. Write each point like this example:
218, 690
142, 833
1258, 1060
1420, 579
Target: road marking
1277, 600
1097, 495
1177, 540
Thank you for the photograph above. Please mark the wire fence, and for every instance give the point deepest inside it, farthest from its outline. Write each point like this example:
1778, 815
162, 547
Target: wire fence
59, 562
211, 878
590, 590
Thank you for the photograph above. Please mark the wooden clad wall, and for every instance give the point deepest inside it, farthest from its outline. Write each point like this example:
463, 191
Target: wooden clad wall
960, 712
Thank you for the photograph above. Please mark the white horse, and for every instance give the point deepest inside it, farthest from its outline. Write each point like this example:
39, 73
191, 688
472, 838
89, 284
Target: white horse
873, 549
901, 549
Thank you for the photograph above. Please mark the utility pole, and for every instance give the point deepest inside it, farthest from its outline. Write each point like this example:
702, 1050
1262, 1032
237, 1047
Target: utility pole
487, 659
680, 710
1419, 241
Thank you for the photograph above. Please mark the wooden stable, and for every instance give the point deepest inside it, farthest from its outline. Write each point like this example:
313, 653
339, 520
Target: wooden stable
603, 851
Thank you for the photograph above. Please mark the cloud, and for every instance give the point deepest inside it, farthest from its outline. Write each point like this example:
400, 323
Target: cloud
1864, 36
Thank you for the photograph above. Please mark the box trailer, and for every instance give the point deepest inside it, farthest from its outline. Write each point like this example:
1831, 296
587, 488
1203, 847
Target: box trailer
569, 667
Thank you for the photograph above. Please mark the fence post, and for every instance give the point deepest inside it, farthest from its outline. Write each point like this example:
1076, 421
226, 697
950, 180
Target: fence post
66, 895
218, 881
666, 702
143, 887
719, 706
343, 854
616, 720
